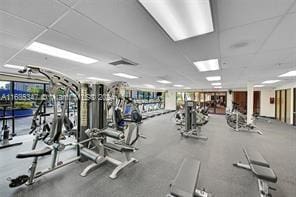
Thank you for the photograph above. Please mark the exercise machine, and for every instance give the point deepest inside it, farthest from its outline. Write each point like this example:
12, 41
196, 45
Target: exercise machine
98, 140
58, 81
185, 182
261, 169
5, 135
193, 121
238, 121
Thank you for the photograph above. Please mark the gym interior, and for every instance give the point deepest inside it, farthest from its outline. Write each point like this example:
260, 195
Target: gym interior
148, 98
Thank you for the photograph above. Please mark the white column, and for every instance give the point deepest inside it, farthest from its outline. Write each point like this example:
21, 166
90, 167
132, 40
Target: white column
291, 106
250, 102
170, 100
229, 100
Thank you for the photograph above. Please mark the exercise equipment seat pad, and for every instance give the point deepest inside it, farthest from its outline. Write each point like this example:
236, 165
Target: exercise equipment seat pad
119, 148
264, 173
254, 157
35, 153
185, 182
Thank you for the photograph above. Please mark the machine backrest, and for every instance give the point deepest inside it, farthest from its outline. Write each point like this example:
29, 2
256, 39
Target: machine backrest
131, 134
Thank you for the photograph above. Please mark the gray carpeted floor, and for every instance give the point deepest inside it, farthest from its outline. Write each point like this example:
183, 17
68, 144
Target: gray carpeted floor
160, 156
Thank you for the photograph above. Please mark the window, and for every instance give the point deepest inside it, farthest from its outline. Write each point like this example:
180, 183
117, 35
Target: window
27, 97
6, 103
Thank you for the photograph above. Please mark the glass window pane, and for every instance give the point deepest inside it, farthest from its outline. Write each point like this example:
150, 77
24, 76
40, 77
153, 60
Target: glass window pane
27, 99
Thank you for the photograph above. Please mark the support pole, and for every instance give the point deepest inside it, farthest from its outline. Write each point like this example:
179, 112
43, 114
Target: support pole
250, 102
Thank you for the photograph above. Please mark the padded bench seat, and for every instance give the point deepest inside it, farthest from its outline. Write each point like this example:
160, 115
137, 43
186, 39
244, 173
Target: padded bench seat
184, 184
264, 173
119, 148
259, 166
254, 157
35, 153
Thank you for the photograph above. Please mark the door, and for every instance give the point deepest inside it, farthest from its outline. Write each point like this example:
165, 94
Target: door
256, 105
278, 104
241, 99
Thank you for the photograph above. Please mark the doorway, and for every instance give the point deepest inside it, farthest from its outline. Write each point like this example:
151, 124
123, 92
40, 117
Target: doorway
241, 98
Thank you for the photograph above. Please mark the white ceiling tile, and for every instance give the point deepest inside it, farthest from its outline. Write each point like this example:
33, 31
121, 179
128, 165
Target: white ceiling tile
131, 21
43, 12
201, 47
232, 13
284, 35
18, 28
245, 39
5, 53
68, 2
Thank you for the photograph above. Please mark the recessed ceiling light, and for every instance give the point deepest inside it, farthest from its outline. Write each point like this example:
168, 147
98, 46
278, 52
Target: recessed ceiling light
13, 66
258, 86
218, 87
187, 88
270, 81
216, 84
178, 86
149, 86
125, 75
214, 78
98, 79
207, 65
163, 81
80, 74
181, 19
289, 74
56, 52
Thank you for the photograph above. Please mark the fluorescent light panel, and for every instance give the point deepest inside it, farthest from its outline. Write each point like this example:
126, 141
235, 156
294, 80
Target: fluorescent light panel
216, 84
214, 78
218, 87
289, 74
187, 88
98, 79
258, 86
13, 66
149, 86
124, 75
181, 19
163, 81
178, 86
56, 52
207, 65
270, 81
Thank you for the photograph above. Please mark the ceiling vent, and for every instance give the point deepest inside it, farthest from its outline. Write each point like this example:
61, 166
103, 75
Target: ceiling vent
124, 61
239, 45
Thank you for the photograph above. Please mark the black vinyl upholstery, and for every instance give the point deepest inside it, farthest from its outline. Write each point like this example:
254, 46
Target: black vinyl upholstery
185, 182
35, 153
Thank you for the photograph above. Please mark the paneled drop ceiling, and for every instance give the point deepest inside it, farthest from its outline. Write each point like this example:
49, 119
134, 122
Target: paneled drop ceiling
253, 40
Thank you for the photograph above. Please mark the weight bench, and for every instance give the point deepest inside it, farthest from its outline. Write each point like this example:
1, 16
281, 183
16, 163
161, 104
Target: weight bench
185, 183
261, 169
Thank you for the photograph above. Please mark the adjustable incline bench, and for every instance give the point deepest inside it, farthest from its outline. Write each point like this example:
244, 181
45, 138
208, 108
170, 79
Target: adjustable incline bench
261, 169
185, 183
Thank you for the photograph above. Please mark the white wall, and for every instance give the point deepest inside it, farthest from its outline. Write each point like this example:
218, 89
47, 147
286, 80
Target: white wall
170, 100
267, 109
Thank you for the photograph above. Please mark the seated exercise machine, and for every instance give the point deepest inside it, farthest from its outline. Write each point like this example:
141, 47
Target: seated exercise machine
193, 121
238, 121
261, 169
98, 141
5, 135
185, 183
